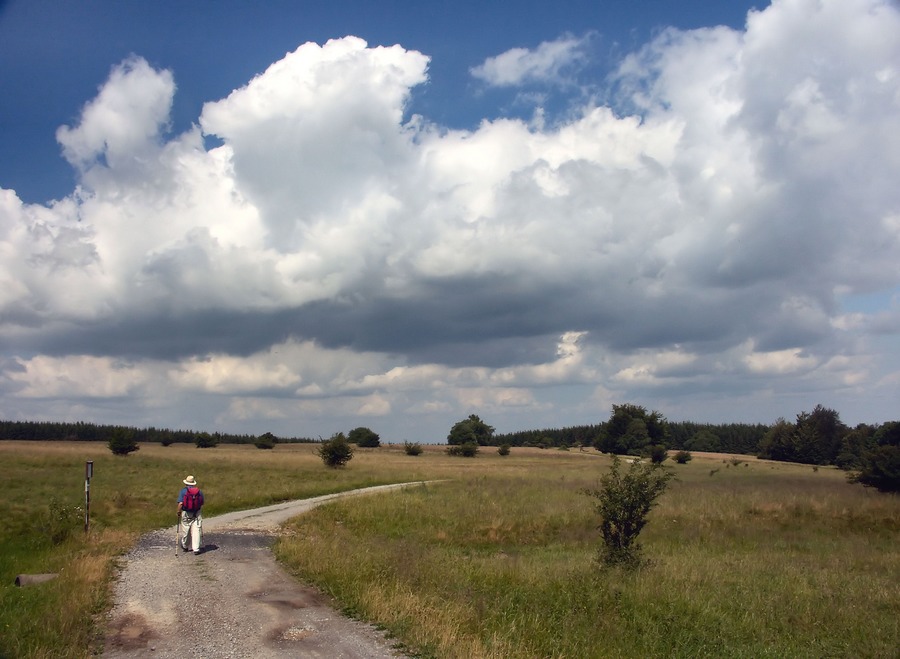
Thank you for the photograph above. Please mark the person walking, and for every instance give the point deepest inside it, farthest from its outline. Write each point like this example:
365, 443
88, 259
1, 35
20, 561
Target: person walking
190, 503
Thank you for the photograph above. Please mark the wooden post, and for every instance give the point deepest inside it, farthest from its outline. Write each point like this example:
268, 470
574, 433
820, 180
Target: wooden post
88, 472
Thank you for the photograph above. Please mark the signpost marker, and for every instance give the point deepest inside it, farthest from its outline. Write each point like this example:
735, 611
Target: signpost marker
88, 472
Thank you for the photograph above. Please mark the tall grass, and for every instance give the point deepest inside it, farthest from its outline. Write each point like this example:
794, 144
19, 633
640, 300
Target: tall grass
43, 524
754, 561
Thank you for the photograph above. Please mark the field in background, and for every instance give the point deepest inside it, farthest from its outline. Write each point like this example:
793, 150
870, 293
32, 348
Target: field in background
42, 531
754, 559
747, 559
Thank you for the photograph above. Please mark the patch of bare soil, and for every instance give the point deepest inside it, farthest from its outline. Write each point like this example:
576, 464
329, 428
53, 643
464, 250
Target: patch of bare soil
233, 600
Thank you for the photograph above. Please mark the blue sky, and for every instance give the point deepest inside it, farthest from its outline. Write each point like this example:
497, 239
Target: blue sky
305, 217
55, 55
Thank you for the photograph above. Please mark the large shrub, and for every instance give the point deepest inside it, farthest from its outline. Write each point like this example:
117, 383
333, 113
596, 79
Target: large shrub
683, 457
412, 448
880, 469
266, 441
206, 440
471, 430
466, 450
123, 442
632, 430
364, 438
880, 466
623, 502
335, 452
658, 454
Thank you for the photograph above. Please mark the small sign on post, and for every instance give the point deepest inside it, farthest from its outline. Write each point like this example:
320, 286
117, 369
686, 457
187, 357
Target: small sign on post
88, 473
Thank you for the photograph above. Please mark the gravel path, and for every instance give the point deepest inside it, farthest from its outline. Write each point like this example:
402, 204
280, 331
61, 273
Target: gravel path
234, 599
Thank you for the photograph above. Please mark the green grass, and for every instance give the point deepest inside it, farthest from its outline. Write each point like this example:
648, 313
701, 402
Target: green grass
753, 561
43, 489
749, 561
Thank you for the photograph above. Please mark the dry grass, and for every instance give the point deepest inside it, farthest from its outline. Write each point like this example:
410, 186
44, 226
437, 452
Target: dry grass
762, 560
758, 559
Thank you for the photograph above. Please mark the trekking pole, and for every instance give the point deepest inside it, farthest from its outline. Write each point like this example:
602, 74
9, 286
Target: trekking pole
177, 534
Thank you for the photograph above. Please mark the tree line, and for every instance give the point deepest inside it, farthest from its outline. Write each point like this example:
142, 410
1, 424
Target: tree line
871, 453
740, 438
91, 432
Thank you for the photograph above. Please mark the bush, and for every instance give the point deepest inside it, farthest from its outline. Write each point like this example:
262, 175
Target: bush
122, 442
880, 469
205, 440
504, 449
469, 430
658, 454
412, 448
336, 452
623, 503
364, 438
466, 450
683, 457
61, 521
266, 441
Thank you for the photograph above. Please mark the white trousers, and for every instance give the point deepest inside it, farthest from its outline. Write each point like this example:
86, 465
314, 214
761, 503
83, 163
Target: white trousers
191, 525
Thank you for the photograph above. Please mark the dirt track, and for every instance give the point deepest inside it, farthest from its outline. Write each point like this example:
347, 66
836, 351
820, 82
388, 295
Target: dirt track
233, 600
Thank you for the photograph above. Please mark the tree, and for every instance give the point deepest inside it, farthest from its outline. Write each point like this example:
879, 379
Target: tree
336, 452
206, 440
880, 466
819, 436
472, 429
705, 441
816, 438
854, 445
779, 443
266, 441
123, 442
631, 430
364, 438
623, 502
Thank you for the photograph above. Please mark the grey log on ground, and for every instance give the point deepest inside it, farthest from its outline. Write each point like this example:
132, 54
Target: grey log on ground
31, 579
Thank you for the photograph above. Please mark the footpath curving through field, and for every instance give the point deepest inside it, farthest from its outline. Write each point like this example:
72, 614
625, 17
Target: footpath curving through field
233, 600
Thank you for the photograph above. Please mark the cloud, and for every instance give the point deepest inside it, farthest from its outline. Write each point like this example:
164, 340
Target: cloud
123, 123
547, 63
336, 257
77, 377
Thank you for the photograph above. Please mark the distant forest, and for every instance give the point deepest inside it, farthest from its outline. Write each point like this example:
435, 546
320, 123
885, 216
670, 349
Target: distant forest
870, 452
683, 435
91, 432
723, 438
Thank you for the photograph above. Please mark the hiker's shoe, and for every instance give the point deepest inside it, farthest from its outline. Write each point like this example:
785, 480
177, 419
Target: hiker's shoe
196, 552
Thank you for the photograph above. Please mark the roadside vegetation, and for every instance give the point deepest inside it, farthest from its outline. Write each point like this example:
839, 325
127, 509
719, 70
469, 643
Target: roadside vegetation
43, 525
741, 557
740, 560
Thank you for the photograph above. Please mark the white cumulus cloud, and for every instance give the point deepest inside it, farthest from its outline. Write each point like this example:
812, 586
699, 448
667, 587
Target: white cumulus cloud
547, 63
335, 257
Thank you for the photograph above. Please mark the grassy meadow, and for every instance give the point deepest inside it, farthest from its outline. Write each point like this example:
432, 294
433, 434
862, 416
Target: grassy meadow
753, 559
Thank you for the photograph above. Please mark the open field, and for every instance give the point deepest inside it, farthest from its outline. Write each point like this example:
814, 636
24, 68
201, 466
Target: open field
753, 559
